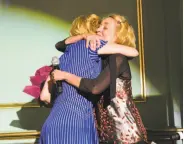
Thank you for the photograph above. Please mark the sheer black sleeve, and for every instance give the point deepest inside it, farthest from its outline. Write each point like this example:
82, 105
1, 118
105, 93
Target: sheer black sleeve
61, 46
130, 58
103, 81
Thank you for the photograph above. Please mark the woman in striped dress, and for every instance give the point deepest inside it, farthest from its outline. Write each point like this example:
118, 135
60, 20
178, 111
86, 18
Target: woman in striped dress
129, 128
71, 119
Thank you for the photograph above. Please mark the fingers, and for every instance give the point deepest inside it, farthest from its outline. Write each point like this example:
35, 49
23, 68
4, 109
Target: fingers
57, 75
98, 43
53, 76
93, 41
87, 42
102, 38
93, 44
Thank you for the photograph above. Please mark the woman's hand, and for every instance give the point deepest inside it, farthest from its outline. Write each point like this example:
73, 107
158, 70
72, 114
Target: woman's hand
93, 41
68, 77
57, 75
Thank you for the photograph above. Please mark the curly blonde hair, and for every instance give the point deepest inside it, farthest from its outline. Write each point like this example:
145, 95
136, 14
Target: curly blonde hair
85, 25
125, 32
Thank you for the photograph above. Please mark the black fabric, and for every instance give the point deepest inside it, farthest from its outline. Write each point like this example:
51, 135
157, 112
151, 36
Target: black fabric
118, 65
61, 46
106, 93
113, 70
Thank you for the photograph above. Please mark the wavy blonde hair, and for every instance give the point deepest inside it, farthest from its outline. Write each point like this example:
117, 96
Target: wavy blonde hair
125, 32
85, 24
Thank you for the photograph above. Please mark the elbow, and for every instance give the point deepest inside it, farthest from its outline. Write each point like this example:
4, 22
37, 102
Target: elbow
57, 46
136, 53
44, 98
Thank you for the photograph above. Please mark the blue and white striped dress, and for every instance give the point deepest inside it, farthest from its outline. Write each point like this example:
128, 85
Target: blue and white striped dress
71, 119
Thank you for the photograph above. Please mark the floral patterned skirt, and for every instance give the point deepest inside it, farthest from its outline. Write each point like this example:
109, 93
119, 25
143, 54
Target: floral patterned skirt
120, 122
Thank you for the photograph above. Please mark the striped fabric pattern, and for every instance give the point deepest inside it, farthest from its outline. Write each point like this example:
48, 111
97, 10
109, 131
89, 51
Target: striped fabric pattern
71, 119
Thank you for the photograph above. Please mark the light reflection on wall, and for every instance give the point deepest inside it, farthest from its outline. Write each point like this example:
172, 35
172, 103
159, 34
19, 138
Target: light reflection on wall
27, 42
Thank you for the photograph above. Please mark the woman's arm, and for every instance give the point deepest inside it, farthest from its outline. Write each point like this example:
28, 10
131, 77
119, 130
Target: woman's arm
109, 48
74, 39
61, 45
95, 41
97, 85
112, 48
45, 95
70, 78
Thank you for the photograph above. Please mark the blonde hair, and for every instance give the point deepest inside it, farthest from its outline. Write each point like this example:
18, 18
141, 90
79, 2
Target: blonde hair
125, 32
85, 24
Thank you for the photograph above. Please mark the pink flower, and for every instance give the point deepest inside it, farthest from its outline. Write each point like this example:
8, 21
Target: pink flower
33, 91
40, 75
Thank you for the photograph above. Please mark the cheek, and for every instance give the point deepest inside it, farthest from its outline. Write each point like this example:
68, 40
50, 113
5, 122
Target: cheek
106, 34
113, 31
